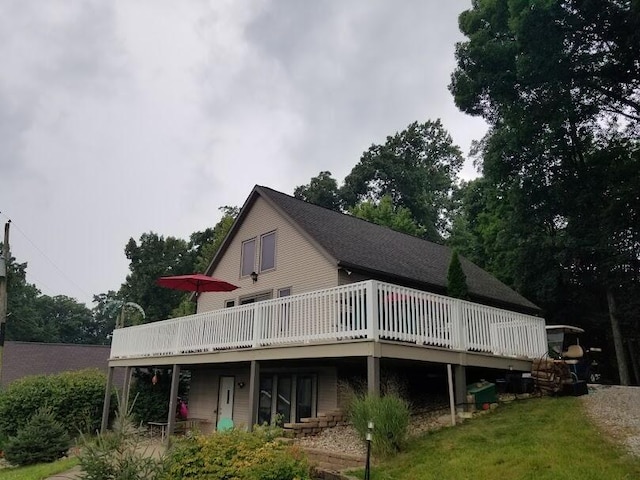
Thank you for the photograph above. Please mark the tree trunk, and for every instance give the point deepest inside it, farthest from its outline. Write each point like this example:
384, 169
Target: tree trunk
633, 353
623, 371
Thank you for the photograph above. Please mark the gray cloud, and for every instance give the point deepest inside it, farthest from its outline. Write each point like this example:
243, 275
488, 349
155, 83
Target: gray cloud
117, 118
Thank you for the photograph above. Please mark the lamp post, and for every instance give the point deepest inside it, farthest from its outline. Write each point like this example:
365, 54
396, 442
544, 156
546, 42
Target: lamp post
4, 280
367, 468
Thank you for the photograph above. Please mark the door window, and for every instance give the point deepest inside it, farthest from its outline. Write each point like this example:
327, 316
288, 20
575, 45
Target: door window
264, 405
304, 397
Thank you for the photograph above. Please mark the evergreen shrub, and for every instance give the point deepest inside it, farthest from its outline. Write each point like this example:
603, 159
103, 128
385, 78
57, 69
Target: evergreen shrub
41, 440
456, 279
119, 454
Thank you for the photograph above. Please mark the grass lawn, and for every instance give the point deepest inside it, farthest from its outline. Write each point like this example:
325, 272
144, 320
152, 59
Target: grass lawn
546, 438
38, 472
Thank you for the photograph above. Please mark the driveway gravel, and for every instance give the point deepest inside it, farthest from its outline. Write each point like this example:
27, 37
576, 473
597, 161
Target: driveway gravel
616, 410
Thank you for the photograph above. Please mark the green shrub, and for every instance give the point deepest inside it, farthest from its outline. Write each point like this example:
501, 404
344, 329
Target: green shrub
42, 440
119, 454
75, 400
390, 416
236, 455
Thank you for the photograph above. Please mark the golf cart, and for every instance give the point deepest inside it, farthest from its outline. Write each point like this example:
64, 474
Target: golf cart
564, 345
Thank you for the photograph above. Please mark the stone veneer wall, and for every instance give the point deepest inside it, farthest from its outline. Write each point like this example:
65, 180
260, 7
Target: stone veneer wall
314, 425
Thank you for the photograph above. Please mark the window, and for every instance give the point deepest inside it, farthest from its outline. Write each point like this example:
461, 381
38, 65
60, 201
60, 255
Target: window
259, 297
267, 251
248, 257
229, 303
284, 292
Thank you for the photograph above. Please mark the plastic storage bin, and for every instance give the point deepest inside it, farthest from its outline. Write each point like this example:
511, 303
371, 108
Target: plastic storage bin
484, 392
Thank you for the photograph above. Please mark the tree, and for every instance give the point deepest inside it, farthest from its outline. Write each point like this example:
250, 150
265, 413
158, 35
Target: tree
63, 320
155, 256
321, 190
417, 168
456, 279
559, 83
104, 316
21, 303
34, 317
386, 214
207, 249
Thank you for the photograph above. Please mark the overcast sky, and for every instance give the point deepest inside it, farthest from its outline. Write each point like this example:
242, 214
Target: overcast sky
123, 117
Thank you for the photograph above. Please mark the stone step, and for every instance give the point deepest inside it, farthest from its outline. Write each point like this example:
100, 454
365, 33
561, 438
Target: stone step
337, 461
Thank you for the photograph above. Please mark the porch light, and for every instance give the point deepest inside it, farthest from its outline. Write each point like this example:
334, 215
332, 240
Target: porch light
254, 277
240, 384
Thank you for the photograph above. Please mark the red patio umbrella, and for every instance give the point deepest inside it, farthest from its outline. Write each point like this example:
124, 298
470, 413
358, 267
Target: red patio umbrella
195, 282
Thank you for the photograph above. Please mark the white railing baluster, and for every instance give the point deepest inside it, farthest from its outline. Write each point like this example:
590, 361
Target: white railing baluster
370, 309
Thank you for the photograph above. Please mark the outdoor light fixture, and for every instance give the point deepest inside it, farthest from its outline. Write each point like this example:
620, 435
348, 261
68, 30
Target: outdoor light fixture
369, 438
254, 277
240, 384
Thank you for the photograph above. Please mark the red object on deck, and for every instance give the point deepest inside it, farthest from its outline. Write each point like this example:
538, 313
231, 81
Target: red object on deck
195, 282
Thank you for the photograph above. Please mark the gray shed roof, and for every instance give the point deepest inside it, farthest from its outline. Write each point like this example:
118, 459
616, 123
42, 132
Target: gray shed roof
383, 253
23, 359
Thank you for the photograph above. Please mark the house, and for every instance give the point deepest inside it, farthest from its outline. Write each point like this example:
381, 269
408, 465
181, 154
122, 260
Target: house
325, 296
22, 359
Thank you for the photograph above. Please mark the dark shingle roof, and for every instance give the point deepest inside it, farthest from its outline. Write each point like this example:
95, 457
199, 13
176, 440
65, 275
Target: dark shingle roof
22, 359
361, 245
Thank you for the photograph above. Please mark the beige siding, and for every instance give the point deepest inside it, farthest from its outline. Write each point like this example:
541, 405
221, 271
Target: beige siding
327, 389
203, 396
298, 264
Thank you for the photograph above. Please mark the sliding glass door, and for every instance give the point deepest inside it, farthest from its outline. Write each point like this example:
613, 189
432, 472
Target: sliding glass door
286, 398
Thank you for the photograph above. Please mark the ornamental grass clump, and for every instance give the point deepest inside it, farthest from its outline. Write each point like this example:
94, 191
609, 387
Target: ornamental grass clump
390, 416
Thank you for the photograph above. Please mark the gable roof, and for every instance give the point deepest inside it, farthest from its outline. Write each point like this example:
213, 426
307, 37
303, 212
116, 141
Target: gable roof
22, 359
359, 245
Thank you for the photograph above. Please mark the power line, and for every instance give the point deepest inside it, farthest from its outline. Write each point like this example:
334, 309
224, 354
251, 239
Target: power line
64, 275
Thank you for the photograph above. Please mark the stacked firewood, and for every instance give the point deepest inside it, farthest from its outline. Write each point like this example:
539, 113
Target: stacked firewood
549, 375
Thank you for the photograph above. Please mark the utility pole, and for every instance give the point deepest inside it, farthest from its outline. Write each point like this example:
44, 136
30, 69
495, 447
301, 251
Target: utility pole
4, 279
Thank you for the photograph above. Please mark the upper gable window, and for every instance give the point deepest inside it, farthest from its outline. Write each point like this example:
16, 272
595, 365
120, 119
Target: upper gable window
248, 257
267, 251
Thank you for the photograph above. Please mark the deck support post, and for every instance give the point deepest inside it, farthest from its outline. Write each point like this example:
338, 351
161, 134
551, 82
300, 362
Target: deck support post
452, 401
126, 388
373, 375
173, 401
254, 393
106, 406
460, 375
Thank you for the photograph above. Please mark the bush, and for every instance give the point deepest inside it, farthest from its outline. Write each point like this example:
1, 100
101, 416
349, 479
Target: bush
42, 440
75, 399
116, 454
236, 455
390, 416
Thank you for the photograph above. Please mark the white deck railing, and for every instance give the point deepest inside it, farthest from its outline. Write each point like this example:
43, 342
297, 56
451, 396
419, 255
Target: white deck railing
365, 310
